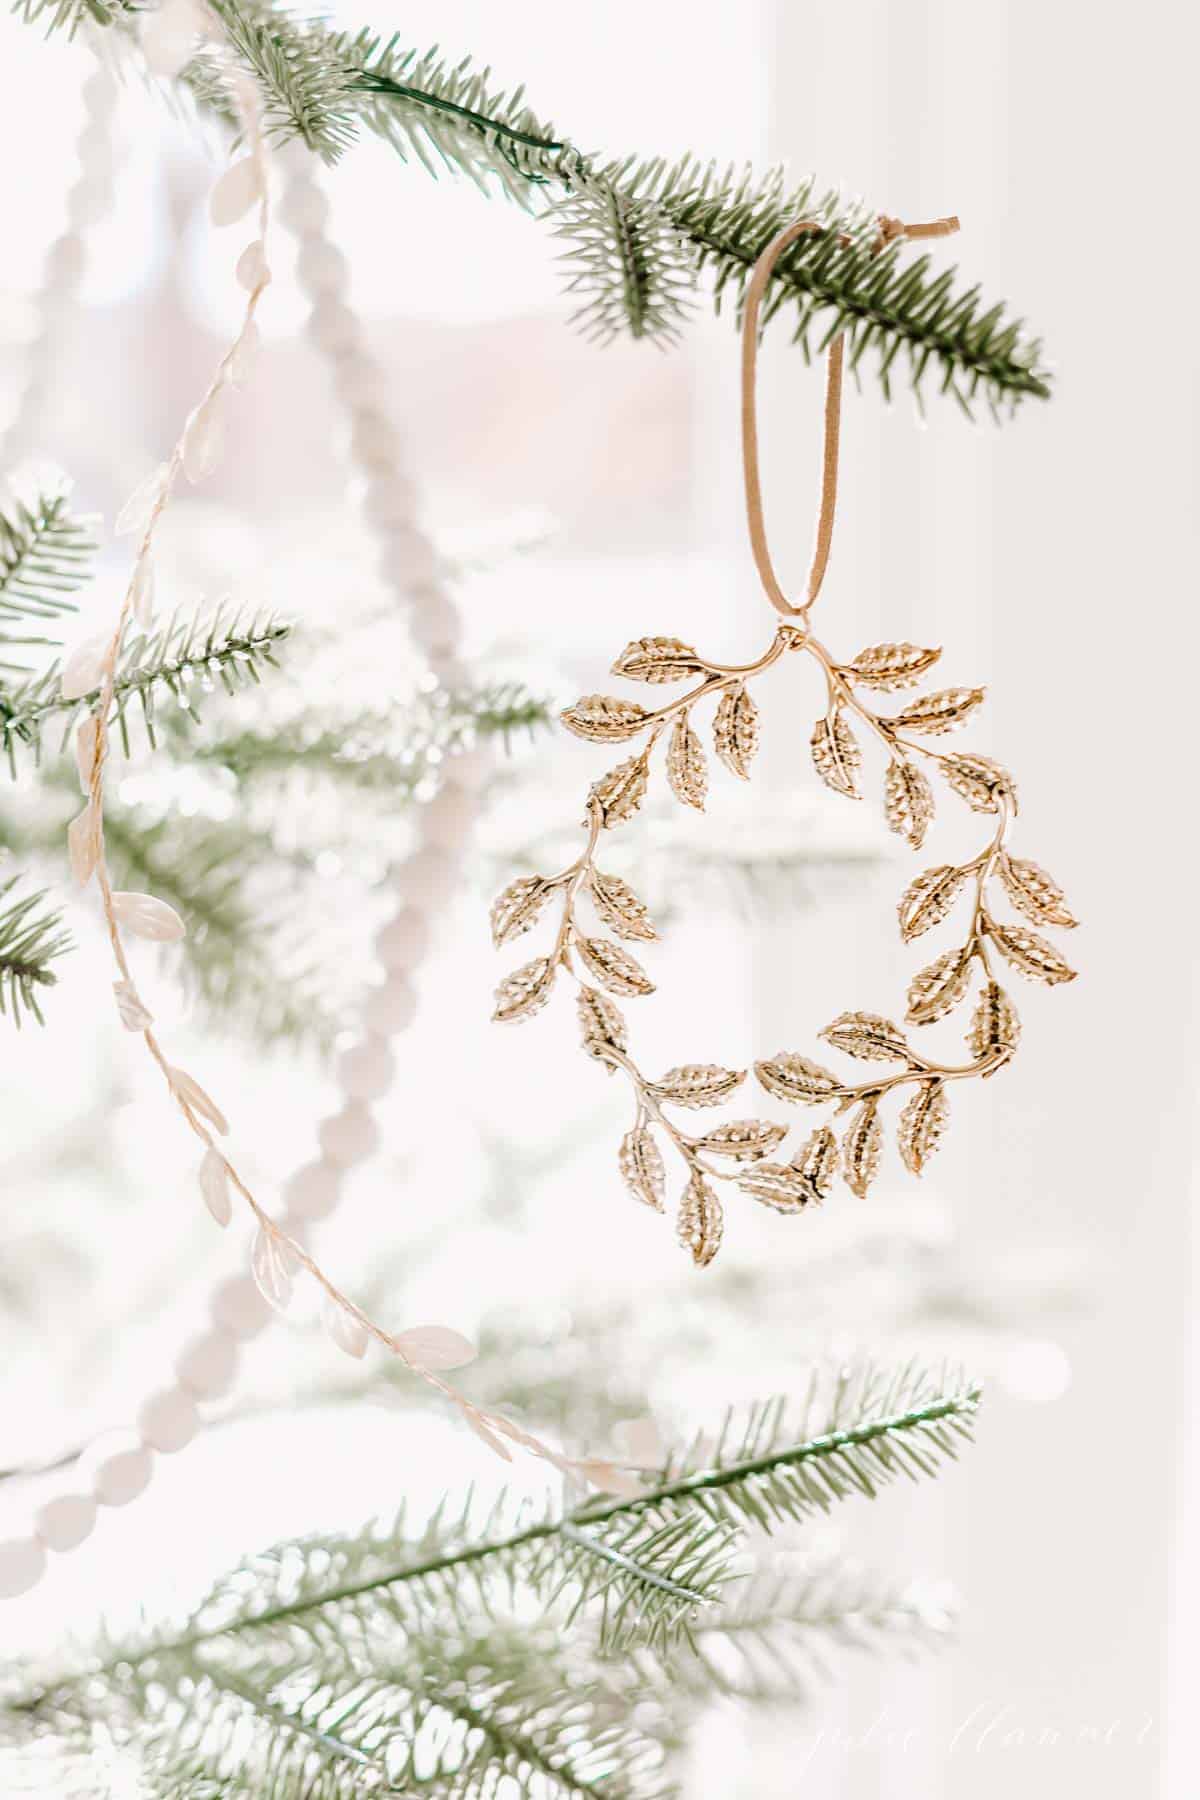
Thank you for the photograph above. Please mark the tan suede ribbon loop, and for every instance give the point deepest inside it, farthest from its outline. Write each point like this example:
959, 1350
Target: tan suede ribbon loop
889, 231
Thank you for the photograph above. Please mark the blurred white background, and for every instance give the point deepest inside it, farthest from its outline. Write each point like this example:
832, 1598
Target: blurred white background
1055, 559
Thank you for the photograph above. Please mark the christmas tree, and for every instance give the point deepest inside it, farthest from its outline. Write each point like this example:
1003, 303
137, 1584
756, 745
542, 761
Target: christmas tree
563, 1645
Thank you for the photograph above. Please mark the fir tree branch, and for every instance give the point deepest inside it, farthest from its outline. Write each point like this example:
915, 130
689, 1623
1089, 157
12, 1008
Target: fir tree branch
639, 231
394, 751
30, 940
179, 661
642, 229
874, 1429
45, 556
241, 964
67, 16
512, 1711
857, 1431
261, 951
647, 1576
328, 1664
782, 1632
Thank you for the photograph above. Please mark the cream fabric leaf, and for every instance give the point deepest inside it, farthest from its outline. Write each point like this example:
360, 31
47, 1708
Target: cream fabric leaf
83, 670
436, 1347
188, 1089
343, 1329
149, 918
134, 1016
272, 1265
214, 1185
83, 844
235, 192
134, 516
85, 752
204, 437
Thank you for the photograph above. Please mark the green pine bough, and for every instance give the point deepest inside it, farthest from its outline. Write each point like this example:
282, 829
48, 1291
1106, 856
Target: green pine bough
45, 557
557, 1655
174, 662
226, 873
639, 233
30, 939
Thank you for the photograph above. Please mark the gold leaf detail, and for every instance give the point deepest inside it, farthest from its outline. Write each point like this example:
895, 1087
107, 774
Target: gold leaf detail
743, 1139
836, 755
604, 719
516, 910
620, 793
698, 1084
983, 784
887, 667
935, 713
687, 768
641, 1164
657, 659
524, 992
862, 1149
817, 1160
908, 801
867, 1036
939, 988
1031, 954
780, 1187
601, 1023
995, 1025
620, 907
736, 730
791, 1077
1035, 893
700, 1222
928, 899
620, 972
922, 1123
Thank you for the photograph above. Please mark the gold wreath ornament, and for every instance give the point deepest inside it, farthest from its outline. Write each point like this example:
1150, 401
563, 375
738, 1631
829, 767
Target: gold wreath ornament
596, 951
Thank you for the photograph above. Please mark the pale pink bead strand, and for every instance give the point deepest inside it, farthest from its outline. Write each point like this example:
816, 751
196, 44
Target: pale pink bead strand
88, 200
206, 1366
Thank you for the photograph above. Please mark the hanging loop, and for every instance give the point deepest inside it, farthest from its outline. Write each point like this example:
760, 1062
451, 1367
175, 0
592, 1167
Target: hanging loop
889, 230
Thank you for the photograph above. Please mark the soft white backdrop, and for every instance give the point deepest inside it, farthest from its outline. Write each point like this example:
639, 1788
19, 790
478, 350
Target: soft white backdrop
1055, 559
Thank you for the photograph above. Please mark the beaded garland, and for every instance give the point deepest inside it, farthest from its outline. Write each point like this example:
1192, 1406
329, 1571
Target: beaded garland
116, 1469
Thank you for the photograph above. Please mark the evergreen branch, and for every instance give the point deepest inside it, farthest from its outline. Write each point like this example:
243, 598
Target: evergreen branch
30, 940
262, 950
641, 230
304, 90
45, 556
646, 1576
395, 751
247, 964
511, 1710
781, 1631
336, 1667
179, 661
68, 15
610, 234
859, 1431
